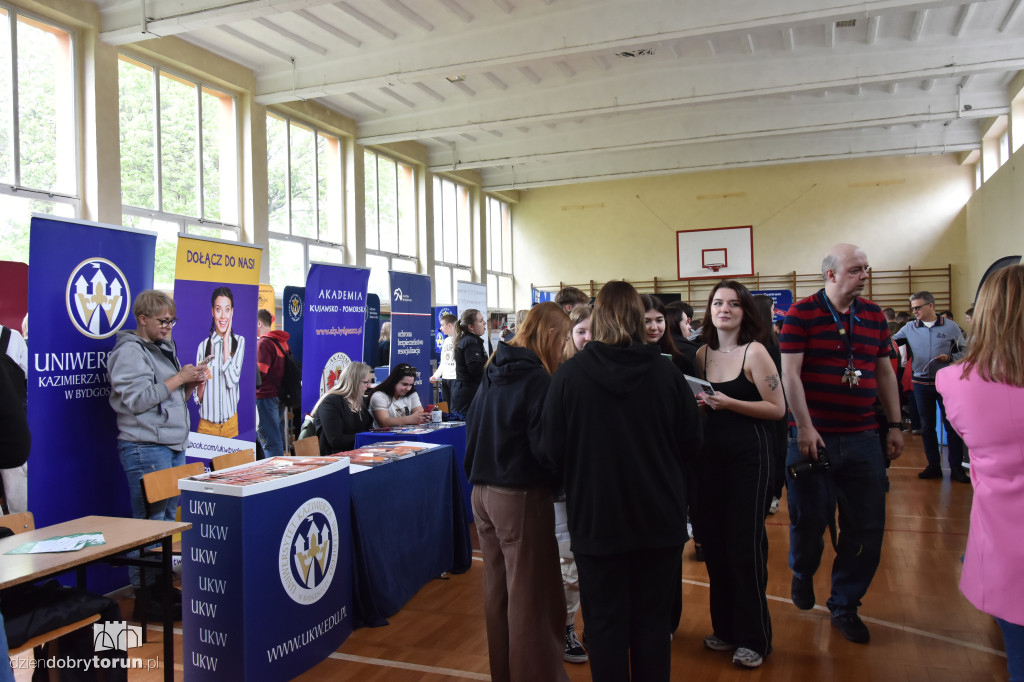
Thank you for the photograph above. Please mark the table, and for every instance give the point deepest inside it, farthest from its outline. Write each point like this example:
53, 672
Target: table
122, 535
454, 436
408, 527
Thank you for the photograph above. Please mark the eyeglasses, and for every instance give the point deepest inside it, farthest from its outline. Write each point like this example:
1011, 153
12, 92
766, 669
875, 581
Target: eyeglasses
166, 322
915, 308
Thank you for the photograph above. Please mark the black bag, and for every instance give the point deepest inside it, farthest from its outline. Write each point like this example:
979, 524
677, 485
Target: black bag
290, 391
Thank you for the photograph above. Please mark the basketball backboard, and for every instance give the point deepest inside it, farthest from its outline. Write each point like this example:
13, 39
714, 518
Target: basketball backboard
715, 253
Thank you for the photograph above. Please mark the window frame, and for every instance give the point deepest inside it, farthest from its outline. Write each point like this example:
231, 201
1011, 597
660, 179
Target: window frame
495, 205
440, 224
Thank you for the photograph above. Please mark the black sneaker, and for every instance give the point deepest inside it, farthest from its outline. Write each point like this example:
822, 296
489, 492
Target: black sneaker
574, 651
802, 593
852, 627
959, 476
931, 472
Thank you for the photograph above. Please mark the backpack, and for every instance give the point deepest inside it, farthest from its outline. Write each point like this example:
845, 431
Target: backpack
290, 390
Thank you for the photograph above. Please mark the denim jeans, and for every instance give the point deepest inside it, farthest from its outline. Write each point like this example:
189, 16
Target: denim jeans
1013, 641
927, 398
139, 459
858, 472
271, 428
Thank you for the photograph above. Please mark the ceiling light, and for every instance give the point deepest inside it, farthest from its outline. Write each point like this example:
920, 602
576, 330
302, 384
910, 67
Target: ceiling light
846, 23
633, 54
455, 79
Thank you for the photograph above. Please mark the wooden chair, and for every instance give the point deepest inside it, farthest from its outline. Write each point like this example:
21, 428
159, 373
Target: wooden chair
307, 447
163, 485
232, 459
20, 523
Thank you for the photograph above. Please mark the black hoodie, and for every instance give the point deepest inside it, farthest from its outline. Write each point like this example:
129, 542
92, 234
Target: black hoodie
622, 426
503, 425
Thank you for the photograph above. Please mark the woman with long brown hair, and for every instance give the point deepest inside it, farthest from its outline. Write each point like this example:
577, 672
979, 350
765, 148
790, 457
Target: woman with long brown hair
984, 398
622, 428
513, 497
469, 359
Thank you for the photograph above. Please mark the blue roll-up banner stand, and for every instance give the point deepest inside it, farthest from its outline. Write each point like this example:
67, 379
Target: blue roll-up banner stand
332, 331
781, 298
538, 296
411, 322
439, 336
292, 309
371, 331
266, 569
82, 284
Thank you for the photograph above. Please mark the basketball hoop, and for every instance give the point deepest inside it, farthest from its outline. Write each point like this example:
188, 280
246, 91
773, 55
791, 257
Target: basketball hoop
714, 267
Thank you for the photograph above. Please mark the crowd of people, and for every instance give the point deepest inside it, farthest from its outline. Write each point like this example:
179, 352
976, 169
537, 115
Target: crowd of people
599, 453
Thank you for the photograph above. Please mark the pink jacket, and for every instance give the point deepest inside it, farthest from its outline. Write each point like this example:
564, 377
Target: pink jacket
990, 418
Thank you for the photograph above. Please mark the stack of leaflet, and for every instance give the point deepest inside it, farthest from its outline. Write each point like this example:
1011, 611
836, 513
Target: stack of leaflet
382, 453
264, 470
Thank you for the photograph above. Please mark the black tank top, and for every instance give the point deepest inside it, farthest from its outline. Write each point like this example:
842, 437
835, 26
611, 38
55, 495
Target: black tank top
720, 423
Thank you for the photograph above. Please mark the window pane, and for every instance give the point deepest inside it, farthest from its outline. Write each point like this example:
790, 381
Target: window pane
179, 145
277, 174
15, 214
438, 221
287, 265
325, 254
387, 207
461, 276
442, 285
464, 223
303, 166
220, 193
330, 189
215, 232
506, 237
136, 94
6, 121
493, 234
451, 228
370, 194
406, 210
505, 293
166, 246
492, 291
379, 278
402, 265
46, 107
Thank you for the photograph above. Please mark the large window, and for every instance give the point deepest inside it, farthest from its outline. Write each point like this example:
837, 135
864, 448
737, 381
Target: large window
499, 255
453, 229
38, 137
306, 199
179, 159
390, 220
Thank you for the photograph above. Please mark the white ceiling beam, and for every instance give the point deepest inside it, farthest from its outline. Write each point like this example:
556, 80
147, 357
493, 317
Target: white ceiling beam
1011, 15
288, 35
403, 11
259, 45
966, 12
917, 27
495, 81
504, 5
873, 25
458, 10
329, 28
430, 92
718, 81
830, 34
366, 20
788, 39
519, 39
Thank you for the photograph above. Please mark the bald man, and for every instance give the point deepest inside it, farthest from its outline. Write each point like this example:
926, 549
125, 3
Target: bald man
835, 363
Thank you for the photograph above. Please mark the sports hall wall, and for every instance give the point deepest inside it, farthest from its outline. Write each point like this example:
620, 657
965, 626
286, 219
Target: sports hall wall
902, 210
995, 221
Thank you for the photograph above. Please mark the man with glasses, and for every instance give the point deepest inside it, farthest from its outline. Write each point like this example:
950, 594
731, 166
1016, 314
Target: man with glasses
934, 342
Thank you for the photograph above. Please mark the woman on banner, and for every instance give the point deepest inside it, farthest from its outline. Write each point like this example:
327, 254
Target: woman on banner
149, 392
221, 352
469, 359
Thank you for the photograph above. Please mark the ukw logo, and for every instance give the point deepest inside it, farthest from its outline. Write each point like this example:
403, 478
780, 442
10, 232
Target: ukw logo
98, 298
116, 635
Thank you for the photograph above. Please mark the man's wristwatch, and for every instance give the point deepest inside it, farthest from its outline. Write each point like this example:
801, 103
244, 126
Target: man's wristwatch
896, 425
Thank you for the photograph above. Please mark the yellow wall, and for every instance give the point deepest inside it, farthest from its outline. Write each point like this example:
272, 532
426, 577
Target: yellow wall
995, 223
903, 211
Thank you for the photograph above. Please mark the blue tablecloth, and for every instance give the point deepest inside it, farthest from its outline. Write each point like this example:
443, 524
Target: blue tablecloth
408, 527
452, 435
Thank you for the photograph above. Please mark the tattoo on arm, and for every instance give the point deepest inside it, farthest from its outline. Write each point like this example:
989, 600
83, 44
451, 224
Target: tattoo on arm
773, 381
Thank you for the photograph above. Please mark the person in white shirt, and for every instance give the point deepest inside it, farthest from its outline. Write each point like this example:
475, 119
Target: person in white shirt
446, 367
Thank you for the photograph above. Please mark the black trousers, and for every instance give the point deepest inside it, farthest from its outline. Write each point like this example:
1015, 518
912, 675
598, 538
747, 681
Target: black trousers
626, 608
734, 494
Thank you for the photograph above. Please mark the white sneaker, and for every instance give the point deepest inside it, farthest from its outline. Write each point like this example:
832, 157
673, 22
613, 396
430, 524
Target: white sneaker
774, 506
748, 658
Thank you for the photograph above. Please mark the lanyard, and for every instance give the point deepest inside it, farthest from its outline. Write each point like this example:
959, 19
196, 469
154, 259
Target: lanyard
852, 375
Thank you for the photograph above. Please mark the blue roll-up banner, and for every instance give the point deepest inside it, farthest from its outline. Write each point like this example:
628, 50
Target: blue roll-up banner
438, 334
216, 287
538, 296
82, 284
292, 309
411, 323
371, 332
782, 298
332, 332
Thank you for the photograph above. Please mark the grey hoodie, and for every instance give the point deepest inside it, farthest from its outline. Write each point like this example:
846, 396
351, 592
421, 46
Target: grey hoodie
147, 411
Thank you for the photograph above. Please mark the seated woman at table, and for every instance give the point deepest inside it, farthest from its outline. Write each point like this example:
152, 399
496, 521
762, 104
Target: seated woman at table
394, 402
339, 415
512, 502
149, 392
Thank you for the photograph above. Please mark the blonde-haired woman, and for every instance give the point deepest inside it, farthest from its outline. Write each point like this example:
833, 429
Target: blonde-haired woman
984, 398
339, 414
513, 497
384, 345
579, 334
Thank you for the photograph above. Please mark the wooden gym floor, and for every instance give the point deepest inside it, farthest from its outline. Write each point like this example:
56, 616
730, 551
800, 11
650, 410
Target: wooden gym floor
922, 628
